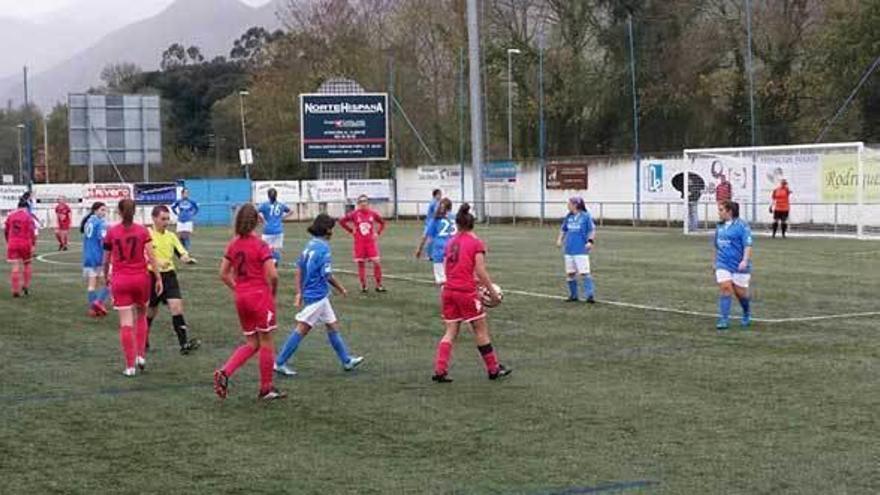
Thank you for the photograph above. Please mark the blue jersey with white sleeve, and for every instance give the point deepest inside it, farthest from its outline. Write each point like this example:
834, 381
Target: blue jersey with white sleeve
93, 242
432, 211
440, 230
273, 214
315, 267
185, 209
731, 240
577, 228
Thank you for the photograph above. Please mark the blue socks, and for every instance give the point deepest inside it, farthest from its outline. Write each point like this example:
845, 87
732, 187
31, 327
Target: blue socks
289, 348
724, 303
573, 288
186, 243
276, 255
746, 306
588, 286
93, 296
102, 294
338, 345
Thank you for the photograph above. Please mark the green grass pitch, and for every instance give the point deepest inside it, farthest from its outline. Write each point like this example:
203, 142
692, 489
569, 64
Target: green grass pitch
604, 398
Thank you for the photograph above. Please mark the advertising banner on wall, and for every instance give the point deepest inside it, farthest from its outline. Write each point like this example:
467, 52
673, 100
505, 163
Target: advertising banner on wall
567, 176
440, 175
52, 193
107, 193
324, 191
288, 191
9, 196
374, 189
155, 193
500, 172
344, 127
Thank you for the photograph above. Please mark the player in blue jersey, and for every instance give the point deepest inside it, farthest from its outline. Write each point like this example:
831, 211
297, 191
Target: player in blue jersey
273, 214
93, 229
733, 263
314, 277
436, 197
186, 210
437, 234
576, 238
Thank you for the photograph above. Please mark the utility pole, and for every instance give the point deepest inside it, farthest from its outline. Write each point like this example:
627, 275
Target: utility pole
473, 21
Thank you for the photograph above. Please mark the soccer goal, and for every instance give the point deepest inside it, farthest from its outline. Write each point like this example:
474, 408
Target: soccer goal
835, 187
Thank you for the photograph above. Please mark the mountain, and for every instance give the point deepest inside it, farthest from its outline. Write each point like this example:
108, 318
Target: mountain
212, 25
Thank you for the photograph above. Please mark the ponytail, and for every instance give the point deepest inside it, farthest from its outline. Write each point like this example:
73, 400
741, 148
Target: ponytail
464, 220
95, 207
127, 211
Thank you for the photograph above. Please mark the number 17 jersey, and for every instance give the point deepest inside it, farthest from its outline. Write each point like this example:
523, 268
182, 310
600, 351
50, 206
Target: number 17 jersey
127, 248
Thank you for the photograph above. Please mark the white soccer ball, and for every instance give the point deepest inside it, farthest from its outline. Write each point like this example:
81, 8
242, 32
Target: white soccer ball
486, 296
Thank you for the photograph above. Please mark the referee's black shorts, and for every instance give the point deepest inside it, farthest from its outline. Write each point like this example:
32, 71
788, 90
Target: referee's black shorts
781, 216
171, 288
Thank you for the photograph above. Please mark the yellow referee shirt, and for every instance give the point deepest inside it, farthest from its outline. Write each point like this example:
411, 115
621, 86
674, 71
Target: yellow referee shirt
165, 247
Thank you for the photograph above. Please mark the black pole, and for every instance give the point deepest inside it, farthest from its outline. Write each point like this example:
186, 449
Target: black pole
28, 139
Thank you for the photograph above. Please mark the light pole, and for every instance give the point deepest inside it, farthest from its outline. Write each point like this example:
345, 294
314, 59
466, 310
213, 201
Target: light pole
510, 53
244, 145
20, 128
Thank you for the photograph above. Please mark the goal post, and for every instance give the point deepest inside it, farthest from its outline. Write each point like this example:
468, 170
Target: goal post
834, 186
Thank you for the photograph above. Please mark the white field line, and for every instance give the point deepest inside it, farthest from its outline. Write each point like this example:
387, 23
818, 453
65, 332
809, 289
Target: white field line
45, 258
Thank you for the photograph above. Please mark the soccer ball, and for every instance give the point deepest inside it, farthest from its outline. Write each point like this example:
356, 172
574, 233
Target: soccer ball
486, 296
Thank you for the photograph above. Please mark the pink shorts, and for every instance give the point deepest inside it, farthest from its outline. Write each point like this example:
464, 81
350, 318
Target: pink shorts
19, 252
256, 311
461, 306
130, 290
366, 251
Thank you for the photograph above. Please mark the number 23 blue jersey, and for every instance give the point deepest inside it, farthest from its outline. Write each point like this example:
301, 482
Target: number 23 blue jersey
440, 230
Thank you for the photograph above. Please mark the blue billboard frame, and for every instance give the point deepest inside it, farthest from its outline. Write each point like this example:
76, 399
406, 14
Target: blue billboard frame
344, 127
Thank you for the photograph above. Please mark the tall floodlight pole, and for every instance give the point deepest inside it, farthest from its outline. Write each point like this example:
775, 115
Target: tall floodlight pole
635, 101
46, 147
510, 53
20, 128
244, 145
462, 108
541, 137
28, 127
473, 21
754, 134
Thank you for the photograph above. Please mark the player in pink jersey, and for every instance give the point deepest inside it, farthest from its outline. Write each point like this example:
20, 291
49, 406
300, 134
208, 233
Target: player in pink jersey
62, 228
20, 240
365, 225
248, 269
128, 251
465, 266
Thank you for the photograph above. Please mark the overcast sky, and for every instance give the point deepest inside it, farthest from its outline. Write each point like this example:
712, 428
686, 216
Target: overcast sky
33, 9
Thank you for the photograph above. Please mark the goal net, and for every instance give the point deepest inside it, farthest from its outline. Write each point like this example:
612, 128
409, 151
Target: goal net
835, 187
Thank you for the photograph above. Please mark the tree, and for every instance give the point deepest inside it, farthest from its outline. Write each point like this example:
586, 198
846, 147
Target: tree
120, 77
174, 56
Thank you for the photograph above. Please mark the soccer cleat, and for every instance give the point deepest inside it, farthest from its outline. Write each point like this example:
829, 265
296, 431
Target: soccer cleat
571, 299
591, 300
444, 378
364, 290
25, 291
722, 324
99, 309
16, 294
271, 394
141, 363
129, 372
283, 370
191, 345
381, 289
353, 363
221, 384
91, 313
500, 373
746, 321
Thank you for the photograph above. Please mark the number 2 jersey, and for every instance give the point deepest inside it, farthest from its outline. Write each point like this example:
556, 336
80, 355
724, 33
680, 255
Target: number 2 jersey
248, 256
